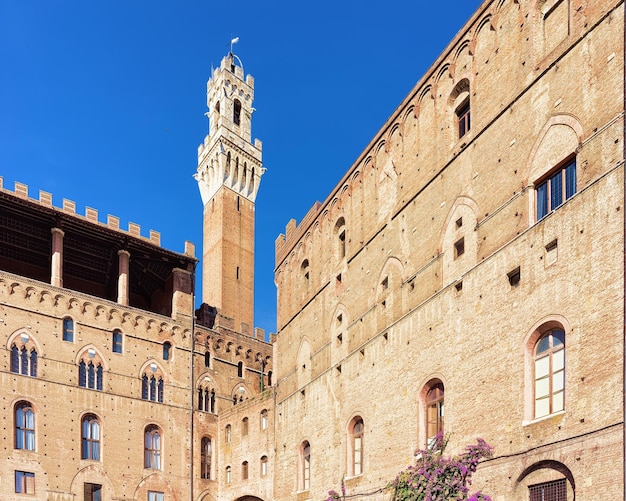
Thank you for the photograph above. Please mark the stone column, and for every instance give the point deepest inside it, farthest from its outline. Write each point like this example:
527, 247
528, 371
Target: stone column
56, 274
122, 280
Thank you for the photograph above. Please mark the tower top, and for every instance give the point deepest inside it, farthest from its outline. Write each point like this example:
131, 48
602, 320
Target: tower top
227, 156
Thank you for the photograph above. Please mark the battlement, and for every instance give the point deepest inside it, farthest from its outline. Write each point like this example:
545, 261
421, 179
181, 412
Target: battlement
91, 215
294, 232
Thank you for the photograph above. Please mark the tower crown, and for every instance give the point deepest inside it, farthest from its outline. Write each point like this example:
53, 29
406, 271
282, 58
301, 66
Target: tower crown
228, 157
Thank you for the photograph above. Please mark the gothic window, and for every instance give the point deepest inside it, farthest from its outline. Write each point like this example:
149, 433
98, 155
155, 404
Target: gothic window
244, 470
68, 329
244, 427
152, 447
556, 188
90, 438
240, 369
264, 420
269, 378
24, 426
90, 375
237, 112
24, 361
207, 359
549, 365
152, 384
206, 456
263, 466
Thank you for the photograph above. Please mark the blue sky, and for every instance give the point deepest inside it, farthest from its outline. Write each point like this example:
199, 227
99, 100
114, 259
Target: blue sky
103, 102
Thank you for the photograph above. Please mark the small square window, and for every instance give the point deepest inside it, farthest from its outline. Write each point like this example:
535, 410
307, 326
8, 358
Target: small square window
92, 492
459, 222
24, 482
458, 286
459, 248
514, 277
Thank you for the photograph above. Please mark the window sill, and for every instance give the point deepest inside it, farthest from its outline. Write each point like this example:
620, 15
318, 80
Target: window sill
543, 418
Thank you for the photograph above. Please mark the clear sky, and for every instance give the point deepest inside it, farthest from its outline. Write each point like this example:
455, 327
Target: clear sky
103, 102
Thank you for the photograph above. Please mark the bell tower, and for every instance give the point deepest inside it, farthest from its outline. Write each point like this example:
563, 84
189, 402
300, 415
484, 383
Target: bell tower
228, 175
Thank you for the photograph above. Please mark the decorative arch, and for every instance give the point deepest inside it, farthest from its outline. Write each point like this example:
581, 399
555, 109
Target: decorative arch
547, 471
19, 337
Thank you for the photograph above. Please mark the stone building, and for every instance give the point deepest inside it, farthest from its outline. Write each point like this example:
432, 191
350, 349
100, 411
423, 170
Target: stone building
472, 255
113, 388
471, 259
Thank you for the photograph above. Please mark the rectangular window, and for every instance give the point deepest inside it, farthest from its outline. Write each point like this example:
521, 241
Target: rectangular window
24, 482
548, 491
463, 116
559, 187
92, 492
155, 496
117, 342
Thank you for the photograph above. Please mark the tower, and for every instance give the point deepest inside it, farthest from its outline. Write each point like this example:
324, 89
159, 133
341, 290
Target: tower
229, 173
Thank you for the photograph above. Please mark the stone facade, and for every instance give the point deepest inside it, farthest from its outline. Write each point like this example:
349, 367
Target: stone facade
438, 263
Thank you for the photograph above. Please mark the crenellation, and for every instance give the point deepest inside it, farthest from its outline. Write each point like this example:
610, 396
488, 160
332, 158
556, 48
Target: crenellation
91, 214
69, 206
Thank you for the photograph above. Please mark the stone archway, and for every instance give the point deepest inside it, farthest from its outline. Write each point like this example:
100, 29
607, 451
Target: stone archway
249, 498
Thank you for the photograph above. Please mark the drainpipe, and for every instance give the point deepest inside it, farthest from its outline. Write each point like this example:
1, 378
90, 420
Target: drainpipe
191, 385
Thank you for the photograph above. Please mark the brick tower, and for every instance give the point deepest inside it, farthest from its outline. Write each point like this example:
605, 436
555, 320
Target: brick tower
229, 173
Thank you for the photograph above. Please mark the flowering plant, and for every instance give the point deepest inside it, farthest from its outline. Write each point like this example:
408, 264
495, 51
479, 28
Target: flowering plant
435, 477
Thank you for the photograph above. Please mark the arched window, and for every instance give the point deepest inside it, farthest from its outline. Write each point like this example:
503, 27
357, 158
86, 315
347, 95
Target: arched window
24, 426
434, 410
549, 365
305, 272
116, 342
207, 359
167, 350
206, 456
237, 112
264, 420
305, 466
68, 329
244, 470
340, 230
212, 403
244, 427
228, 433
152, 447
229, 477
90, 434
263, 466
269, 378
356, 439
240, 369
